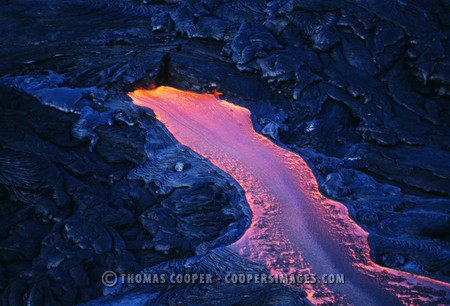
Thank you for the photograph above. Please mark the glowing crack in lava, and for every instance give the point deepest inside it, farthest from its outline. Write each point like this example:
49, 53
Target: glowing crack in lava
294, 228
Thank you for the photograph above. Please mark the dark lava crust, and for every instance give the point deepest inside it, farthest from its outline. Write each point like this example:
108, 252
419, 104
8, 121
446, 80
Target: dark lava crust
361, 89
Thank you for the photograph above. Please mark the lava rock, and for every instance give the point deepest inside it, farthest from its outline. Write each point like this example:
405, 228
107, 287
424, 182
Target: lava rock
334, 186
364, 87
69, 214
179, 166
271, 130
393, 260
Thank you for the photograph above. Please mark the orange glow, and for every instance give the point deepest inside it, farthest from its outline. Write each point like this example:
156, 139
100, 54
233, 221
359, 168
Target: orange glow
216, 93
294, 228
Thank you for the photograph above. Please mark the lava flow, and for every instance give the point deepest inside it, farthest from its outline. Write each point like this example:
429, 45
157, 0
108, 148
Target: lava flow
294, 228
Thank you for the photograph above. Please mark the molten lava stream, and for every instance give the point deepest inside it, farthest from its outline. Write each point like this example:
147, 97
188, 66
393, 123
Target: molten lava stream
294, 228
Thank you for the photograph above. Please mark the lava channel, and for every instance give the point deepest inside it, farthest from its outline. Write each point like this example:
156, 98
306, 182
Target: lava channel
294, 228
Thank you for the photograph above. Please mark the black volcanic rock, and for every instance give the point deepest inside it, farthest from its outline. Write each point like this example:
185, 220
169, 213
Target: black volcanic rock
68, 214
359, 88
218, 263
393, 260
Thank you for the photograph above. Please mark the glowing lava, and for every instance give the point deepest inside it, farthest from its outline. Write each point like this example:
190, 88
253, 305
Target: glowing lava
294, 228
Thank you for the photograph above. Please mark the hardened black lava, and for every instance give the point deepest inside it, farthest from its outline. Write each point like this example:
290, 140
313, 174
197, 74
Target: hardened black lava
360, 89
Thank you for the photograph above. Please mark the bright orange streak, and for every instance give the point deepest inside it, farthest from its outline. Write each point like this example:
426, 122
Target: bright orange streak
294, 228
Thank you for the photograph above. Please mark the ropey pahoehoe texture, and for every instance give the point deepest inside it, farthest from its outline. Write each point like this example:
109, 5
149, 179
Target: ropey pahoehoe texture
359, 88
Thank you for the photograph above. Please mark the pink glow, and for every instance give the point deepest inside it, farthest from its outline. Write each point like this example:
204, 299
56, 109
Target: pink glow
294, 228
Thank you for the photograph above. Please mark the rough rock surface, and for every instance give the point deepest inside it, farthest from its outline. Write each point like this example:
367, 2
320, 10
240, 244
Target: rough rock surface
69, 214
361, 91
359, 88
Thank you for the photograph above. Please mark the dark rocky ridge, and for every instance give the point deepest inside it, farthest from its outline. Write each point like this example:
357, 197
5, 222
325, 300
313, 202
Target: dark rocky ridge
358, 88
69, 214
